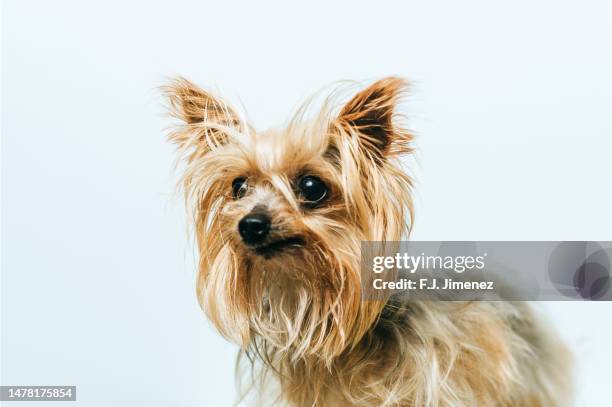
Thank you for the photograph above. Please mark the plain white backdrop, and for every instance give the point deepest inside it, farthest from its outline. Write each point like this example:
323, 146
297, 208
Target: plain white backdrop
511, 102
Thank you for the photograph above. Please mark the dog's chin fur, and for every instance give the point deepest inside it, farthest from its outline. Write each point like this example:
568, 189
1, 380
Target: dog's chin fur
293, 303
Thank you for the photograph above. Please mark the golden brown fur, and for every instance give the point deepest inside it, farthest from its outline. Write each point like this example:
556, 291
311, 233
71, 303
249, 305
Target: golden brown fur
298, 314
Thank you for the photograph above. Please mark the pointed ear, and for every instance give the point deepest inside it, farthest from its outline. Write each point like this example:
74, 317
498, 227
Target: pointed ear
371, 115
207, 121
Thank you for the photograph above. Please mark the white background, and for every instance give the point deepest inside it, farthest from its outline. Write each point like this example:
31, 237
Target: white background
511, 102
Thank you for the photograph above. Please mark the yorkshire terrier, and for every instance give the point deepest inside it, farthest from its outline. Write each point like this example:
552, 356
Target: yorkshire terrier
279, 217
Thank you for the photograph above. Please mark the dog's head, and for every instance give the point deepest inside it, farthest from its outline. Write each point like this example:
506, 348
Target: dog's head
280, 214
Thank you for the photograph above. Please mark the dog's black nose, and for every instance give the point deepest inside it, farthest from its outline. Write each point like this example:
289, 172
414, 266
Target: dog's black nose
254, 228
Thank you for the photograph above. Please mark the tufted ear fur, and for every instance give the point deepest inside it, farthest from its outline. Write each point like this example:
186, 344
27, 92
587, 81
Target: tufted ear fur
207, 121
371, 114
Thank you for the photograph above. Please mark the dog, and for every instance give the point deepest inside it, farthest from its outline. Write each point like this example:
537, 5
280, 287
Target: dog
279, 216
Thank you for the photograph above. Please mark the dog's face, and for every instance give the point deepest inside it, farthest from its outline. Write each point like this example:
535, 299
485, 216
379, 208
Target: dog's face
279, 215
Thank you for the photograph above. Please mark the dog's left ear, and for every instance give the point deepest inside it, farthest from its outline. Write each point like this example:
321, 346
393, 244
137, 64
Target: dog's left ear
207, 120
371, 114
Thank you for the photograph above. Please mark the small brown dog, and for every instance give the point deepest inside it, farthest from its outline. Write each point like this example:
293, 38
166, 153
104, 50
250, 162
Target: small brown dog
279, 216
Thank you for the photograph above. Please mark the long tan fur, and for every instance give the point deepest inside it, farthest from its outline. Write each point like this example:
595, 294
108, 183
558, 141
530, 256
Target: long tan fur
298, 316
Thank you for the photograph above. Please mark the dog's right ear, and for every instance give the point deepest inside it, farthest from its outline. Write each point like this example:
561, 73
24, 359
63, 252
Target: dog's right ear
371, 114
207, 121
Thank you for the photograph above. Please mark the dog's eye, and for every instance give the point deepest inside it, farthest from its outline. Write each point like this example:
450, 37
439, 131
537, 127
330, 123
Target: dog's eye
239, 187
312, 189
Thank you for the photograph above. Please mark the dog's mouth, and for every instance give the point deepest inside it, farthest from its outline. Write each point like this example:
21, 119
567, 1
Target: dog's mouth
270, 249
